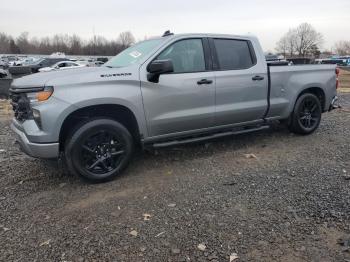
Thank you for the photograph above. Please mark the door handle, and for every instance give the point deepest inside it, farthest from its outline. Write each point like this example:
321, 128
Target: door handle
258, 78
205, 82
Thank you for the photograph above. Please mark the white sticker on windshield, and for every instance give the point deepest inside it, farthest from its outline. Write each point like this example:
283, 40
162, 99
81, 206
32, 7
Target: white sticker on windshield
135, 54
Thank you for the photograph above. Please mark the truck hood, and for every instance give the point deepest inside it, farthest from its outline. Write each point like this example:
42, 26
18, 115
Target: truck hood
72, 76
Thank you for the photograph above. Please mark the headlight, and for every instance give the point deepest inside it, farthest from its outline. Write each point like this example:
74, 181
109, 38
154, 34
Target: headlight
41, 95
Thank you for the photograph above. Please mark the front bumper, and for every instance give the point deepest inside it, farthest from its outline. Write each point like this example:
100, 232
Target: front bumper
39, 150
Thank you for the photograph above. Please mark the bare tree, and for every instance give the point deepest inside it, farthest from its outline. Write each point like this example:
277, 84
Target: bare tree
75, 45
126, 39
4, 43
23, 42
60, 43
34, 43
282, 46
307, 38
45, 46
287, 44
342, 47
14, 49
71, 45
301, 41
314, 51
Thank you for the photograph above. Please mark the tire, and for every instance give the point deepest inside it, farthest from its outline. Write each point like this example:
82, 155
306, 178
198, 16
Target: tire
306, 116
98, 150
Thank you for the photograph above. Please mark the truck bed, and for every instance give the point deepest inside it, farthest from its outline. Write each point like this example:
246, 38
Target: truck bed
286, 83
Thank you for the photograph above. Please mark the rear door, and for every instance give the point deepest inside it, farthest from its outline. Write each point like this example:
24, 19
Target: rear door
185, 99
241, 81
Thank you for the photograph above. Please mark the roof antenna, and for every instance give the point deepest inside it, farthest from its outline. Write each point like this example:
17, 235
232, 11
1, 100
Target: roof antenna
167, 33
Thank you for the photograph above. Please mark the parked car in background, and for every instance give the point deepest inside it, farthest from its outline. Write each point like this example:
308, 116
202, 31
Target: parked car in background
25, 61
5, 83
300, 60
162, 92
334, 61
44, 62
10, 59
3, 64
99, 63
276, 60
346, 60
102, 59
62, 65
338, 60
84, 62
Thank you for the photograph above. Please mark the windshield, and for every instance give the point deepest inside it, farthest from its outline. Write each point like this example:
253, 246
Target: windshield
133, 54
56, 64
38, 61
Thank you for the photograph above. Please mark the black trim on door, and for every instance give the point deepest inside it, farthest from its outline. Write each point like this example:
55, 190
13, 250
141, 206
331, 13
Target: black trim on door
213, 55
207, 54
252, 52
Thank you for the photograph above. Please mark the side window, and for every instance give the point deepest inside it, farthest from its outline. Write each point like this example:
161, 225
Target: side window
186, 55
233, 54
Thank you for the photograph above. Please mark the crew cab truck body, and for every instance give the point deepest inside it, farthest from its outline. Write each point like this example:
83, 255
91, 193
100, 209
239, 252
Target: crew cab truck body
164, 91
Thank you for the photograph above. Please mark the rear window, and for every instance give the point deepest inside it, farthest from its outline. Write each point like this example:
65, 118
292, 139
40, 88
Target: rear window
233, 54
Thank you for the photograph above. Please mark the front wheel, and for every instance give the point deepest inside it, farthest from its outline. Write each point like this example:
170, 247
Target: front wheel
306, 116
99, 149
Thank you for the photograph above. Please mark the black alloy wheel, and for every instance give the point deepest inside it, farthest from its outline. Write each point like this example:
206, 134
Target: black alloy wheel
99, 149
307, 114
101, 152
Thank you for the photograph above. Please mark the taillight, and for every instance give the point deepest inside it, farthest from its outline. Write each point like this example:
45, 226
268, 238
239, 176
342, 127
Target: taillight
337, 72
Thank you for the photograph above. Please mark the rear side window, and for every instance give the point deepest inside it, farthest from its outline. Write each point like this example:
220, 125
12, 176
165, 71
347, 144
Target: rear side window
233, 54
187, 56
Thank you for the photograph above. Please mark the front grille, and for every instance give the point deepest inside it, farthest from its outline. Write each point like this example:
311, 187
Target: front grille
21, 106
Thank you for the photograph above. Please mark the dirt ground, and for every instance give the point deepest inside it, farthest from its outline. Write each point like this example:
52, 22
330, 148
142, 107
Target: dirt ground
344, 79
267, 196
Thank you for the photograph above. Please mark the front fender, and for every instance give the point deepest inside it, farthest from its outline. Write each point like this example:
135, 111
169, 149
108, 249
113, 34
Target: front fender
123, 93
136, 110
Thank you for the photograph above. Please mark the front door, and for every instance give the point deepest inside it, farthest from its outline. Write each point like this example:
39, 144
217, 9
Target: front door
185, 99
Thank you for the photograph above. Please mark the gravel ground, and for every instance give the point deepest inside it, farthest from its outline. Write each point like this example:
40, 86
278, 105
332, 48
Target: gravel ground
268, 196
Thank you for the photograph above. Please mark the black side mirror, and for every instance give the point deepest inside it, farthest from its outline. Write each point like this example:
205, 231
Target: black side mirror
158, 67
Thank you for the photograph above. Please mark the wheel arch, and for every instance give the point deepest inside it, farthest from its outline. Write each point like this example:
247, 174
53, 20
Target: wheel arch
317, 91
120, 113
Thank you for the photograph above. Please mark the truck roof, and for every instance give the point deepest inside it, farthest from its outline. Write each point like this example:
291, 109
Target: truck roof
210, 35
174, 36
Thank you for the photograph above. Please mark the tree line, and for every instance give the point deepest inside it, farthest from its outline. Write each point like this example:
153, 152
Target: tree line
302, 41
342, 48
68, 44
305, 41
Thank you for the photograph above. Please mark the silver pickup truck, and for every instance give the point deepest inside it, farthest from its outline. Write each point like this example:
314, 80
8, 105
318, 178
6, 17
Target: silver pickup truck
160, 92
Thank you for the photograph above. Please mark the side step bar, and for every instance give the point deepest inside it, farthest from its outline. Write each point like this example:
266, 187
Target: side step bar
207, 137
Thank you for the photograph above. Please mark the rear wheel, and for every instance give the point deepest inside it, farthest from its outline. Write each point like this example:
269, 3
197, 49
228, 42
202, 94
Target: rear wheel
99, 149
306, 116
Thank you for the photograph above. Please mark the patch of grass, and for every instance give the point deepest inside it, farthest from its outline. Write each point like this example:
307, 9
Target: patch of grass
344, 79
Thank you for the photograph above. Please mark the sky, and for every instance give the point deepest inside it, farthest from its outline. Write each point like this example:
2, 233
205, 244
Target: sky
267, 19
